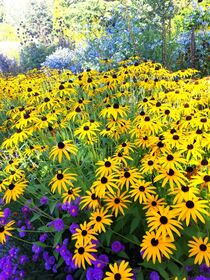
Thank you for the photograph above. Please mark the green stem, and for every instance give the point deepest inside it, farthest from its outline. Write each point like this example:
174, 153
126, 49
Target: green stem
131, 241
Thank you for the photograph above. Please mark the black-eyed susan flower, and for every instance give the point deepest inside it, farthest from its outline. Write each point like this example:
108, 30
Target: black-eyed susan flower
140, 190
103, 184
154, 247
71, 194
91, 200
200, 248
149, 164
171, 160
63, 148
62, 180
183, 193
99, 219
84, 234
5, 230
87, 133
83, 253
153, 202
192, 209
172, 176
117, 202
119, 271
202, 179
128, 176
115, 111
14, 190
164, 222
107, 167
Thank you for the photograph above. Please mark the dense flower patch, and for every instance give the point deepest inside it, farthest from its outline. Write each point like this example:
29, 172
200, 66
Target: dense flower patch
105, 175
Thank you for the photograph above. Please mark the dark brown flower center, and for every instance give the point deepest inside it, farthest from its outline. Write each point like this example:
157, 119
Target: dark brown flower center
171, 172
84, 232
147, 119
204, 162
154, 242
203, 247
117, 200
1, 228
176, 137
117, 276
190, 204
206, 178
104, 180
93, 197
11, 186
70, 192
98, 218
81, 250
190, 146
185, 188
142, 188
60, 176
86, 127
61, 145
127, 174
170, 157
163, 220
107, 164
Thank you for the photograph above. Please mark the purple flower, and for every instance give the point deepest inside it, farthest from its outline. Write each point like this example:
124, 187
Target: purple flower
90, 273
58, 224
204, 268
117, 246
69, 277
98, 274
101, 261
36, 249
73, 228
154, 276
43, 237
23, 259
7, 212
44, 200
73, 210
22, 233
201, 277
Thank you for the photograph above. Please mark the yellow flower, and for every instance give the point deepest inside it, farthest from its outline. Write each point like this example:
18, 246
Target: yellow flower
117, 202
5, 230
201, 249
61, 180
119, 271
99, 219
71, 194
154, 246
192, 208
63, 148
14, 190
83, 253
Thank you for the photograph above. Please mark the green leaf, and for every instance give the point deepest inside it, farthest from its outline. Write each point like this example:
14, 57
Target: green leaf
134, 224
57, 238
108, 236
122, 254
52, 206
40, 244
160, 268
35, 217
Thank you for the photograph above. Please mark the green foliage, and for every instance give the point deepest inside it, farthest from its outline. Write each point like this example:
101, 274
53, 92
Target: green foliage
32, 56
